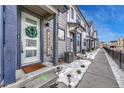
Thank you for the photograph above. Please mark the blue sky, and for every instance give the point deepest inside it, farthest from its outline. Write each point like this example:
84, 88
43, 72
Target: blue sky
108, 20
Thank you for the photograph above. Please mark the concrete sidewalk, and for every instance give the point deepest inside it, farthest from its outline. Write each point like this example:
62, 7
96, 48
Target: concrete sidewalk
99, 74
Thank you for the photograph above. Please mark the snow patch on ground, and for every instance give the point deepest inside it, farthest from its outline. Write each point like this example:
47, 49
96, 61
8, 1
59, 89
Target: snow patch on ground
118, 73
72, 69
91, 55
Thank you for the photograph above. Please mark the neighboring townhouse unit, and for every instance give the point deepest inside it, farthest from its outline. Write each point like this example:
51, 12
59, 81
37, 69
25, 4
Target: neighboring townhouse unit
76, 30
120, 44
93, 41
88, 38
102, 45
30, 35
113, 44
117, 45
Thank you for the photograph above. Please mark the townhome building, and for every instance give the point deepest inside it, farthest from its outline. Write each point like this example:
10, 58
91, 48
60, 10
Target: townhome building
37, 35
88, 38
76, 30
120, 44
90, 23
30, 35
113, 44
93, 41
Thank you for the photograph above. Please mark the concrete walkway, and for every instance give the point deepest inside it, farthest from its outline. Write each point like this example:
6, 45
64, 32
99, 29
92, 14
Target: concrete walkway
99, 74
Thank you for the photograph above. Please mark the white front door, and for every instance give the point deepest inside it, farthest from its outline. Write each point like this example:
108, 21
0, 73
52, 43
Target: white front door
30, 39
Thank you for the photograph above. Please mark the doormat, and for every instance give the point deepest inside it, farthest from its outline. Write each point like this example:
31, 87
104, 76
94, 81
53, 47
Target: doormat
34, 67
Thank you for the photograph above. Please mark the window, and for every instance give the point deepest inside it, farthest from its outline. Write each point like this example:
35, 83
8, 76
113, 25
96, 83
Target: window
78, 20
31, 53
31, 43
72, 13
78, 39
61, 34
84, 43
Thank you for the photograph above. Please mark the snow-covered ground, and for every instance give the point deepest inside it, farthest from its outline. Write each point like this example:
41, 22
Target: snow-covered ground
118, 73
73, 69
91, 55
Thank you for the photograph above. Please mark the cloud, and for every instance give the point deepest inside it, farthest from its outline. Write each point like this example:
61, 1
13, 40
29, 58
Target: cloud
106, 13
108, 21
106, 35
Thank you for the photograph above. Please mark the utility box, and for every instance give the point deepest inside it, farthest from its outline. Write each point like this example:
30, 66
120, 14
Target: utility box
69, 57
83, 51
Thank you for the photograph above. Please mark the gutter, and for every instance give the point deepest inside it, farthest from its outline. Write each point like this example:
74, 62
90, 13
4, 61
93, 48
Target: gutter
82, 15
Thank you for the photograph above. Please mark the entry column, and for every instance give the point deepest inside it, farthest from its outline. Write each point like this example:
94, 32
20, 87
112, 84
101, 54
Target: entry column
10, 46
55, 39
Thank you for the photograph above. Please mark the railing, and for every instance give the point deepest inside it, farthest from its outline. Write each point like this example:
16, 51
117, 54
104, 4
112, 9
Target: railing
117, 56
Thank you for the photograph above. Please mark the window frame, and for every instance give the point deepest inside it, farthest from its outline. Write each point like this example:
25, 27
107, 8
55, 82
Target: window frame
72, 13
63, 39
78, 19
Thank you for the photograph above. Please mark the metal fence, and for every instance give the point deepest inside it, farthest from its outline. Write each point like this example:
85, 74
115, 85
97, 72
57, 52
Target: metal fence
117, 56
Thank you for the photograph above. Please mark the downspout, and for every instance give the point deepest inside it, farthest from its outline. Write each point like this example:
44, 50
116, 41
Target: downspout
66, 31
80, 42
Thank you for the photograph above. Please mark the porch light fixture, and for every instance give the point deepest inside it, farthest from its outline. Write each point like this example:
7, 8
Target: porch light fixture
47, 24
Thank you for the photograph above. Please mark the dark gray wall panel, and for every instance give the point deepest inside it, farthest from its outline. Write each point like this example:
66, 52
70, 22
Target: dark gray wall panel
55, 39
62, 24
10, 48
1, 43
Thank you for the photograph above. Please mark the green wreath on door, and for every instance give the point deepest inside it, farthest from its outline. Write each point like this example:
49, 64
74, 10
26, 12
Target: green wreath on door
31, 31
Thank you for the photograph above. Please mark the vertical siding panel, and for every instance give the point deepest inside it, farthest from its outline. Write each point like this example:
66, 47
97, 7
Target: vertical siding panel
48, 58
10, 48
1, 43
62, 43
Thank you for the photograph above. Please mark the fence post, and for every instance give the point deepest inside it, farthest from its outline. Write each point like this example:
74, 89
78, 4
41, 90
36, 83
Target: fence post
120, 59
112, 53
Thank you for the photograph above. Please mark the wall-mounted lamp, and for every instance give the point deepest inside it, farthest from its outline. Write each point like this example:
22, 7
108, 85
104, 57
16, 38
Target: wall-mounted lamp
47, 24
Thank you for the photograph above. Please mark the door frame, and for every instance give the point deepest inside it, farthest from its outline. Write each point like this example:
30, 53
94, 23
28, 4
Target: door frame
72, 40
21, 9
30, 60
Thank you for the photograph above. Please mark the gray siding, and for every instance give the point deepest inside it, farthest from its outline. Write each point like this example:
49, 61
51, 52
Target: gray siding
1, 41
10, 48
48, 58
55, 39
62, 24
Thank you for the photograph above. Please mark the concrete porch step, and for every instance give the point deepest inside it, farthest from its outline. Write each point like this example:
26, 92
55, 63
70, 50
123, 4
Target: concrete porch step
42, 81
36, 79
